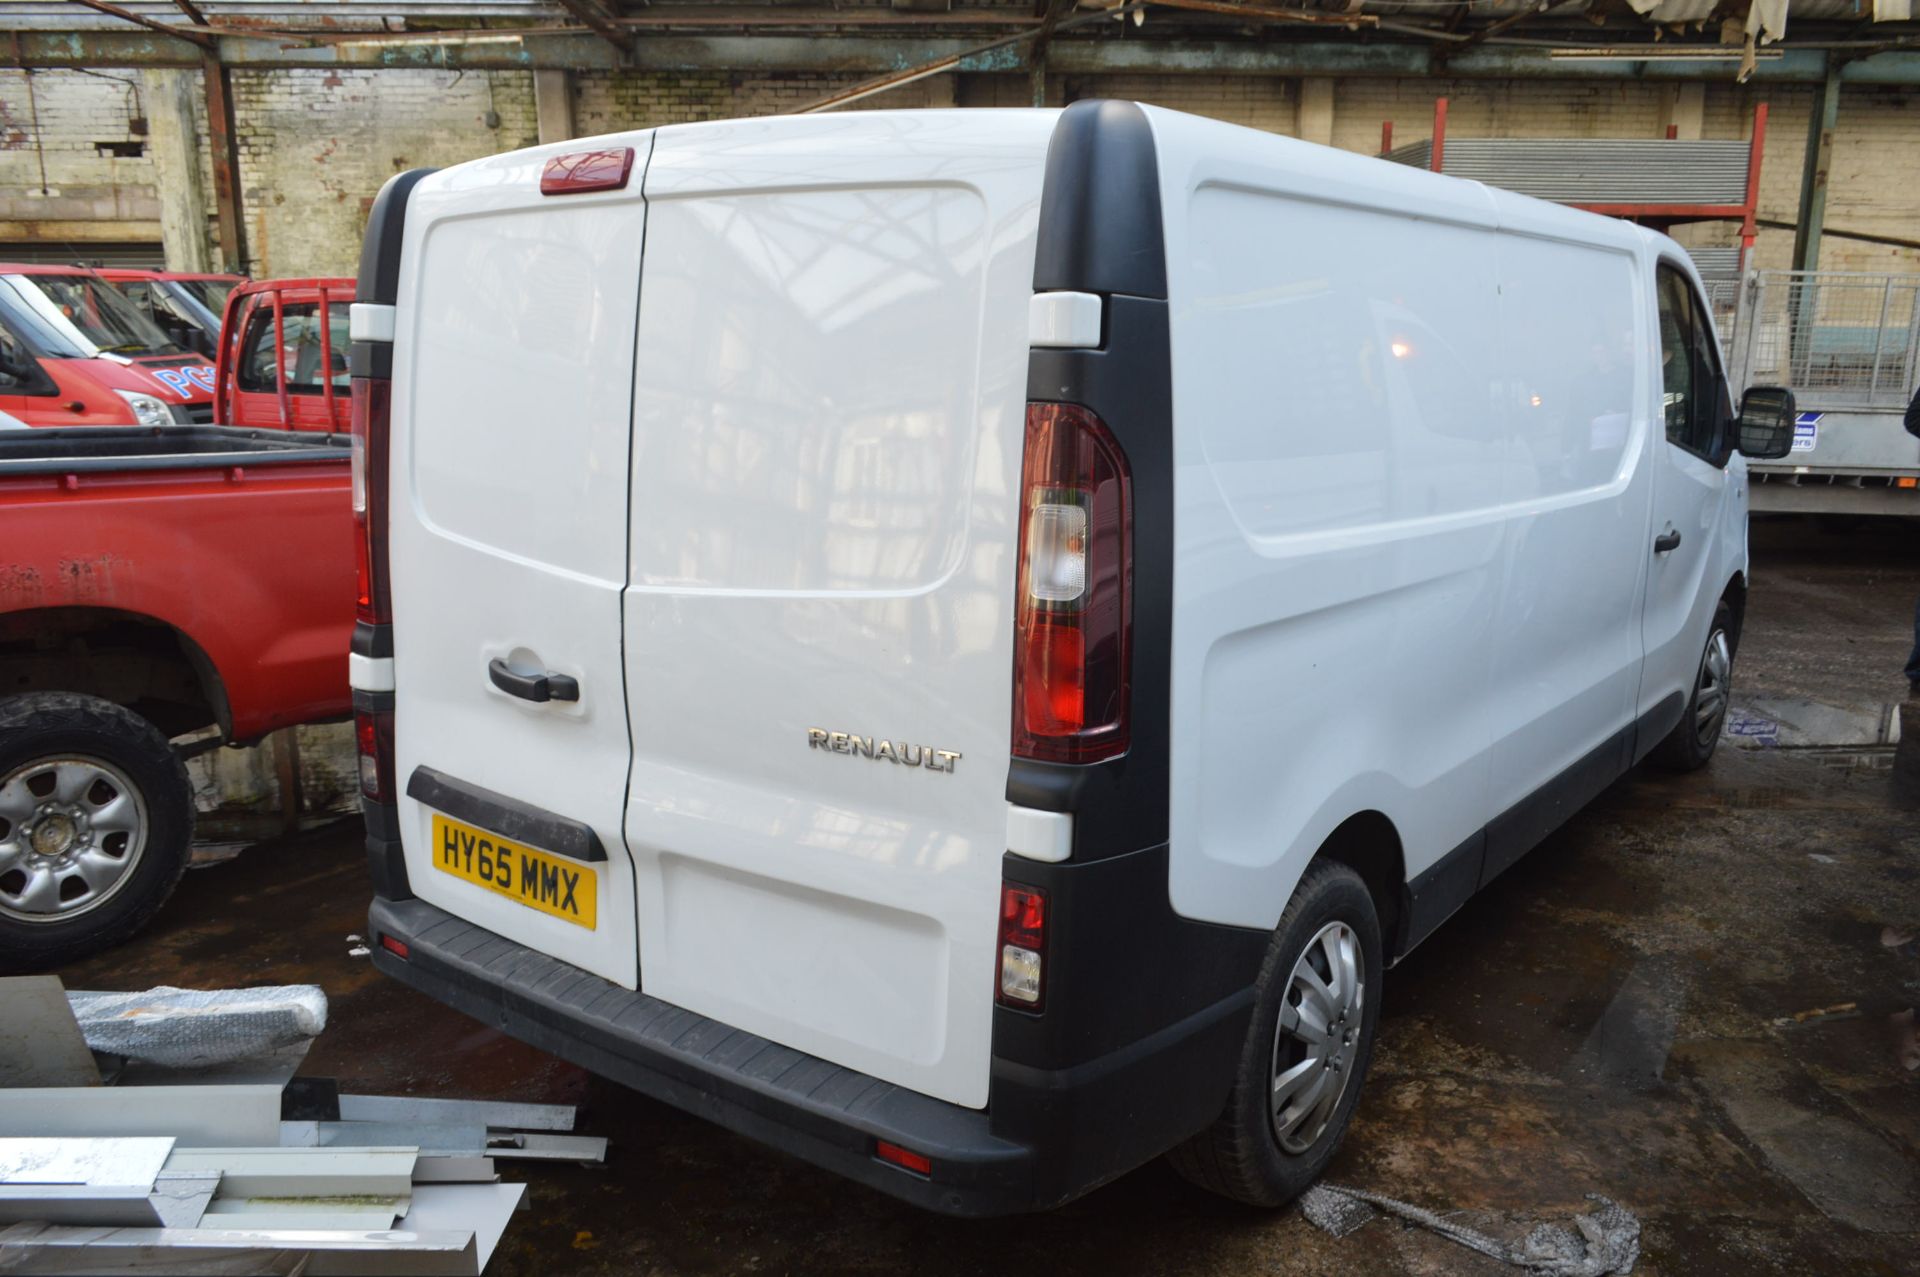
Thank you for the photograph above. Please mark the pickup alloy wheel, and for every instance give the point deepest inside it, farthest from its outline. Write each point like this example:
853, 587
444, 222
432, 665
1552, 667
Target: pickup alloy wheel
96, 822
71, 829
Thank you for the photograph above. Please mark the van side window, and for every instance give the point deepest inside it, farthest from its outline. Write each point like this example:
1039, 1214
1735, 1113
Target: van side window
300, 334
24, 376
1689, 382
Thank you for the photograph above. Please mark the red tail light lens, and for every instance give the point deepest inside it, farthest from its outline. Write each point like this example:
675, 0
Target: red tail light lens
372, 408
905, 1158
373, 738
1073, 621
1023, 946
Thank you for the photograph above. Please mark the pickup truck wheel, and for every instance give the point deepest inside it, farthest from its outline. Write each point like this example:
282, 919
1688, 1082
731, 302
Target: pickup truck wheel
1316, 1004
1690, 744
96, 822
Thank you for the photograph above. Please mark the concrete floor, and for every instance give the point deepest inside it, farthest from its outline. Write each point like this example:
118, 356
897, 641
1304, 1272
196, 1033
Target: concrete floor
1601, 1021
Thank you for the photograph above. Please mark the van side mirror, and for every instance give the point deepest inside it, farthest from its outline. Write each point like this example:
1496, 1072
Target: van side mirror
1766, 422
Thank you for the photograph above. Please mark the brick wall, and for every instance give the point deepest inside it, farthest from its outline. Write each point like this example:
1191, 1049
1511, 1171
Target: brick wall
316, 145
71, 114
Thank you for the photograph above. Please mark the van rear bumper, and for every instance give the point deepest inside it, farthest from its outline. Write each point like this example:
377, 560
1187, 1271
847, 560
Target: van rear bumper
1047, 1136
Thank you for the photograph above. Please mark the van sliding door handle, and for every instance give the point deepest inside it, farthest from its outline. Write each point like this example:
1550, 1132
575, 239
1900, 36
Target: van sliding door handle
532, 687
1666, 541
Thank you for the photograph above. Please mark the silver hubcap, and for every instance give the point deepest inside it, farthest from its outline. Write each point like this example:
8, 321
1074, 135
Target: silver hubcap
1317, 1040
71, 829
1716, 681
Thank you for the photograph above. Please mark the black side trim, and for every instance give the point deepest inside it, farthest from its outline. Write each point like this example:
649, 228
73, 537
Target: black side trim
1100, 229
1121, 964
373, 641
1453, 879
1438, 892
1656, 723
379, 278
365, 702
1121, 805
1522, 827
386, 858
508, 817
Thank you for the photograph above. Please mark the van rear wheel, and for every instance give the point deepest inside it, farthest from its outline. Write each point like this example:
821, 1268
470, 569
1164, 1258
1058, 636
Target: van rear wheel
1691, 743
1316, 1005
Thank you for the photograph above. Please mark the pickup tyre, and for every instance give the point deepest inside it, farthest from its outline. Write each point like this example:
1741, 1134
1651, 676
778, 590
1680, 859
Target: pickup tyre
96, 823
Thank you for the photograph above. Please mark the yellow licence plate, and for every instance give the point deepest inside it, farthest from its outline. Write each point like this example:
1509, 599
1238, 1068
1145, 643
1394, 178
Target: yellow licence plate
552, 884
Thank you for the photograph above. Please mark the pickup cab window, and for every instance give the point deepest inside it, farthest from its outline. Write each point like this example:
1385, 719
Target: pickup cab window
299, 350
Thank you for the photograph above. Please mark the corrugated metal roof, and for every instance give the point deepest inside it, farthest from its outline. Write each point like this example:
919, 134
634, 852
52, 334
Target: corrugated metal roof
1596, 170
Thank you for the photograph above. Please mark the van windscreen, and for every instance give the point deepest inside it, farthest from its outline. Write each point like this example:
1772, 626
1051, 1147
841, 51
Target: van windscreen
94, 310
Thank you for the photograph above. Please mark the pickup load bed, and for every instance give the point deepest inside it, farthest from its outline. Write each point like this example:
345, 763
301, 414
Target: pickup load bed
153, 583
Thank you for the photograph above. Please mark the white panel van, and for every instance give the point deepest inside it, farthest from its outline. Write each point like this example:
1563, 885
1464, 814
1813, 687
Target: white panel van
962, 644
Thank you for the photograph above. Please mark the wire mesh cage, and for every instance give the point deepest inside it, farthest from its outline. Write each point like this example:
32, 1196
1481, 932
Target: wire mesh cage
1838, 339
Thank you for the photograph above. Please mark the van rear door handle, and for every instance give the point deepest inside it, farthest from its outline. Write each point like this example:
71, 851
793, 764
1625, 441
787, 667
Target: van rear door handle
1666, 541
532, 687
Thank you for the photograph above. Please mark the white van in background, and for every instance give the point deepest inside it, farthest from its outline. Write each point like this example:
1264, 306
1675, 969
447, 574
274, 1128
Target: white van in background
961, 644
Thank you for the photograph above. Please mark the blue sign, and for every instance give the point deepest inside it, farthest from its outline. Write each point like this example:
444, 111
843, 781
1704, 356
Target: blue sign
1806, 431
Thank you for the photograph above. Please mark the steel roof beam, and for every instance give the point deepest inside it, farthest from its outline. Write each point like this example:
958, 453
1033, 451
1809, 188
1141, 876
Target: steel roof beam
870, 54
589, 14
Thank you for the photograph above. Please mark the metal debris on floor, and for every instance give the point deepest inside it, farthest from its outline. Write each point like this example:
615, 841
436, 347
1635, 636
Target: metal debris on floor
1605, 1241
183, 1142
1817, 1015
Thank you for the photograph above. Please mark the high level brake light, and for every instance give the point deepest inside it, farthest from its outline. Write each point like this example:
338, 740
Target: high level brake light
1073, 620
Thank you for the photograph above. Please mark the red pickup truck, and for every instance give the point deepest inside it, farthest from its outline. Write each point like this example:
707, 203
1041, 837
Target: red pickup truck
283, 356
153, 582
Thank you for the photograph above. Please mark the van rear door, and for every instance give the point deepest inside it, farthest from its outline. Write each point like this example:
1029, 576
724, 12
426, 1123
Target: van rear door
513, 376
828, 416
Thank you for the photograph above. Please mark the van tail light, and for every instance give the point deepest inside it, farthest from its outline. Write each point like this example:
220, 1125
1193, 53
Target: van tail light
373, 738
1073, 618
372, 408
1023, 946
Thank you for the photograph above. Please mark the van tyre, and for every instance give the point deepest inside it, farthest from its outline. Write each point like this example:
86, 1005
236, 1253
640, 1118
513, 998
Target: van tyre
1691, 743
1296, 1084
96, 823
